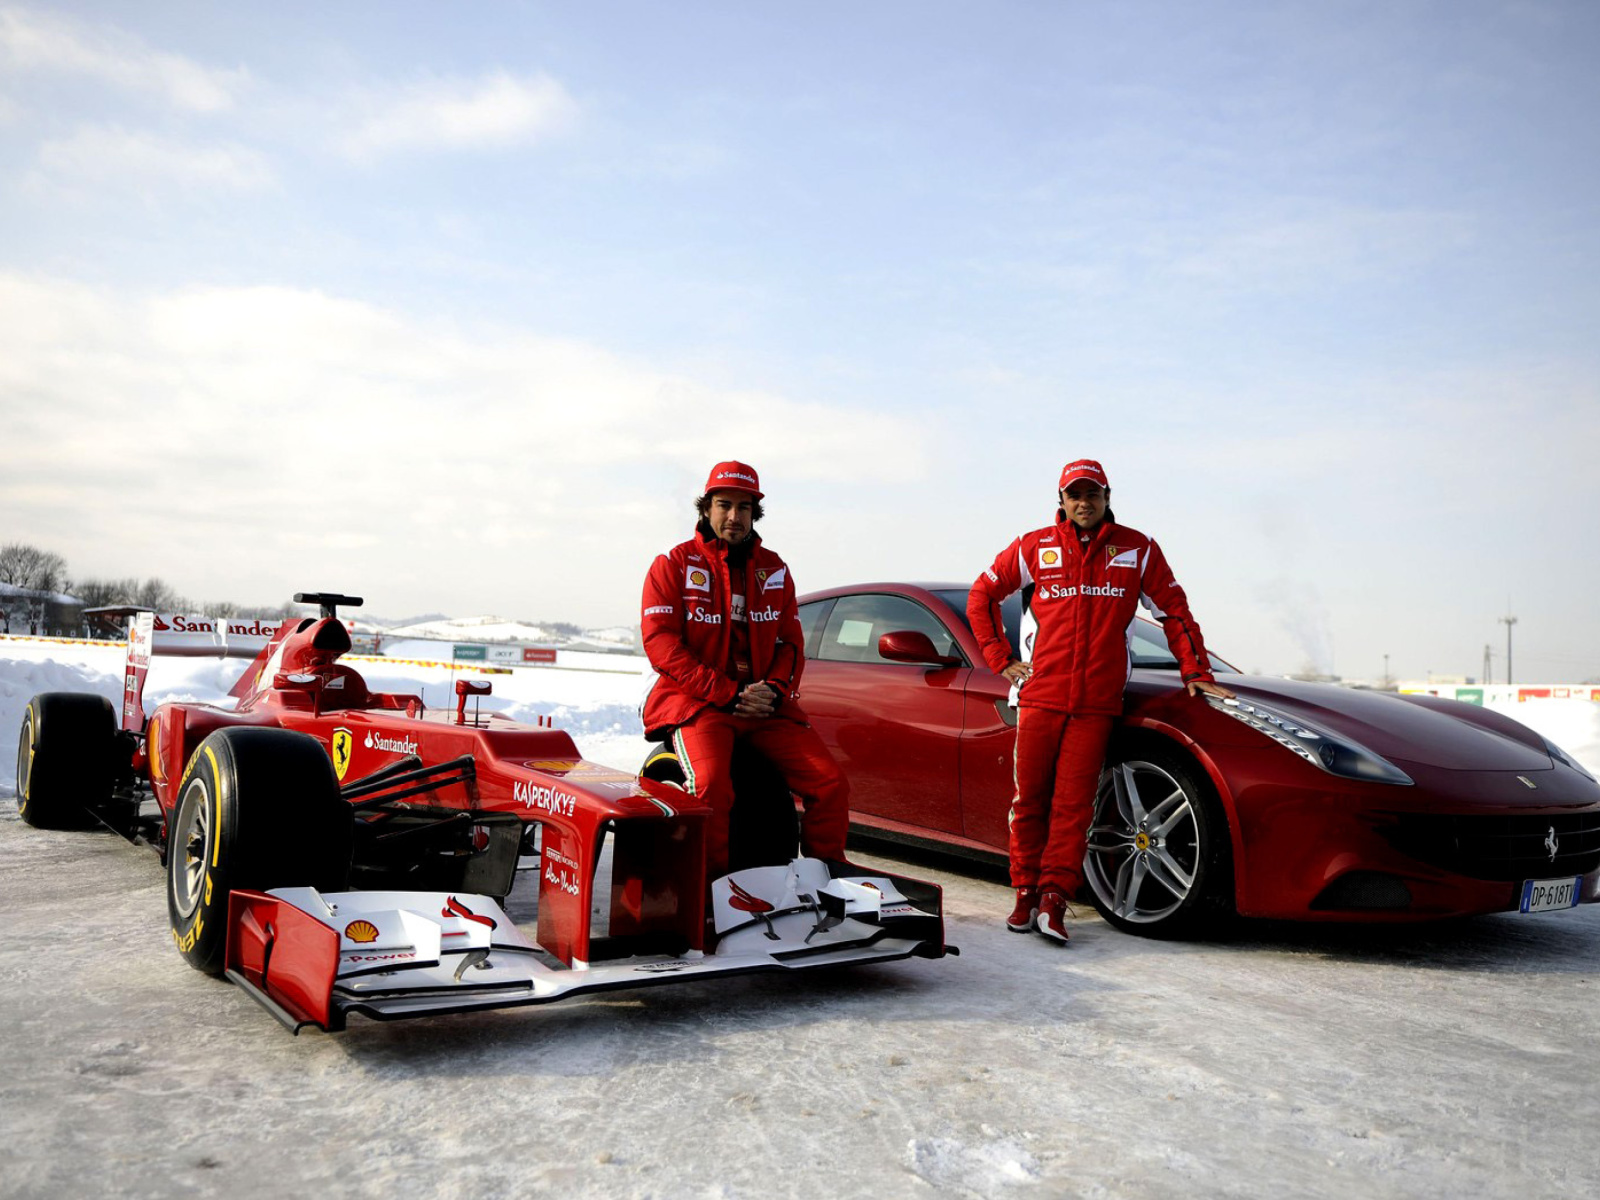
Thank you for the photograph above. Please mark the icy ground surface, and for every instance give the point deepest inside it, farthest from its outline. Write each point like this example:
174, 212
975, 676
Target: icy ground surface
1445, 1061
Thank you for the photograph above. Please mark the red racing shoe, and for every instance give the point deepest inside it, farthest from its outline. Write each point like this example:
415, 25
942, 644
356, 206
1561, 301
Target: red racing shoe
1022, 916
1053, 916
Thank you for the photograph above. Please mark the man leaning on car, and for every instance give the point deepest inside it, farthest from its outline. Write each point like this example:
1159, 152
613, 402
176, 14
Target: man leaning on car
722, 631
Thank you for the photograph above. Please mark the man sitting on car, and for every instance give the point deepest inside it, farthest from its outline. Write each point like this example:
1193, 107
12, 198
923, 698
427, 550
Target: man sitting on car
722, 631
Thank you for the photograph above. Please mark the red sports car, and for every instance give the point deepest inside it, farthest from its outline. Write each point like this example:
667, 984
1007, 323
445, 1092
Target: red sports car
1297, 800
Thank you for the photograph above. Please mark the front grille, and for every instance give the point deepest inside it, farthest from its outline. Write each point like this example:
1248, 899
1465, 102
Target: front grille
1504, 848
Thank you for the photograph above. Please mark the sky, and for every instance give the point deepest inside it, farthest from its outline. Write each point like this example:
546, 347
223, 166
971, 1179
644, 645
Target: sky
453, 306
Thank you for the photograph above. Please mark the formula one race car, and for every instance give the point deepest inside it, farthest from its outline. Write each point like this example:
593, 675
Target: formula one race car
336, 850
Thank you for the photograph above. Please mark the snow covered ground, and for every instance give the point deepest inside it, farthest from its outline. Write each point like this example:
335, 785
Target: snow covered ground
1436, 1062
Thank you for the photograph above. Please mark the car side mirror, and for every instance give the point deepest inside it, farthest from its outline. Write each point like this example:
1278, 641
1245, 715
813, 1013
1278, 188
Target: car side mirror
913, 646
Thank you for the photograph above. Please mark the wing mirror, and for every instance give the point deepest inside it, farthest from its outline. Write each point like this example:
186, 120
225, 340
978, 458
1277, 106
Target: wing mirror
913, 646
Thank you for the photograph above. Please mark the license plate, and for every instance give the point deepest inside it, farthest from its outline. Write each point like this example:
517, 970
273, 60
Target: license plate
1543, 895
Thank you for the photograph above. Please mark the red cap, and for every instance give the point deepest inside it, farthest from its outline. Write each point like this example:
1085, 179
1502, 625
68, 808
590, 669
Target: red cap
1084, 468
733, 476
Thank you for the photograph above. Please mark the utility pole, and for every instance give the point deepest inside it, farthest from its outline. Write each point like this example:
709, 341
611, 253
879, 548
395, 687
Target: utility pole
1385, 672
1486, 679
1508, 622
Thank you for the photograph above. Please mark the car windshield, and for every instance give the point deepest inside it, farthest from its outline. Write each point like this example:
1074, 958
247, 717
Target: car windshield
1150, 649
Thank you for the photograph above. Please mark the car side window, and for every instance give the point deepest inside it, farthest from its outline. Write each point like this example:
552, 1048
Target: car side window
857, 622
811, 616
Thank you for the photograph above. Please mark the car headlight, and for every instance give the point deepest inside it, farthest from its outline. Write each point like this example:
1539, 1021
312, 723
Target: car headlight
1561, 756
1334, 754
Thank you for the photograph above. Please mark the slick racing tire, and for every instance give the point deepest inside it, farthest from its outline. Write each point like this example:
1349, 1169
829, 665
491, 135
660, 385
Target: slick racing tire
763, 828
1159, 861
257, 809
65, 759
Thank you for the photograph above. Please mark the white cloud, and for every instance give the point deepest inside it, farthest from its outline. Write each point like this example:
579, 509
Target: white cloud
107, 157
39, 42
496, 110
220, 437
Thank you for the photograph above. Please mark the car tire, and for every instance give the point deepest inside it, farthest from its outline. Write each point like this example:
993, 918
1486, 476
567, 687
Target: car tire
256, 809
1159, 861
764, 827
66, 759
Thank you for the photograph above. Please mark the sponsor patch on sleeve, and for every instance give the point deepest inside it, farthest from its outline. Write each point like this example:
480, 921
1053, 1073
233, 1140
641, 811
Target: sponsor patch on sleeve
660, 610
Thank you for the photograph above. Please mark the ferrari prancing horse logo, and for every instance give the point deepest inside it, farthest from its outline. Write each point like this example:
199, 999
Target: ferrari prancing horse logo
343, 739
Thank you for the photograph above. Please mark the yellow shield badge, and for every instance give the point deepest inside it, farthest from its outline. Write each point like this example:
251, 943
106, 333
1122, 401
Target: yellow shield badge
342, 742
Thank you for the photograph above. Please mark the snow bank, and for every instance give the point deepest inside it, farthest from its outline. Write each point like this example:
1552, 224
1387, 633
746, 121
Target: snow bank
600, 709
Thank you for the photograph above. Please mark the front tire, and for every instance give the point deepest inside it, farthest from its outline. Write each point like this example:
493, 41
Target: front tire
764, 827
257, 809
65, 759
1159, 861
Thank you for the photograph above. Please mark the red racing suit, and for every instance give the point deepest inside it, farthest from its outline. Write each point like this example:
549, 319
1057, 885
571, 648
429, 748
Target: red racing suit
702, 617
1080, 592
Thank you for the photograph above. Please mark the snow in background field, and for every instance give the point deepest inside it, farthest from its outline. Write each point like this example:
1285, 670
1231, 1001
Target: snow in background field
598, 707
594, 697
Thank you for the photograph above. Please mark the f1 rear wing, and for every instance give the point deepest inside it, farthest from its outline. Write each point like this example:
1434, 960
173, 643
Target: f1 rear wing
184, 636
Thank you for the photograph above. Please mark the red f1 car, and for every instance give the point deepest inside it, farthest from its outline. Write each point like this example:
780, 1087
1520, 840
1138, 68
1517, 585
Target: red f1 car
336, 850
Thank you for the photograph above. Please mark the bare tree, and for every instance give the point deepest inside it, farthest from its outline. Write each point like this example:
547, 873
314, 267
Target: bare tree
101, 593
157, 595
29, 567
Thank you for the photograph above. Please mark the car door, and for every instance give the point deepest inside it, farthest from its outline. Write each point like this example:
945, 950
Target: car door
989, 727
895, 728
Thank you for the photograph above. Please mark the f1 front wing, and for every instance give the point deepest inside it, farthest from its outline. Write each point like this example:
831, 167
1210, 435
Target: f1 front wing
312, 959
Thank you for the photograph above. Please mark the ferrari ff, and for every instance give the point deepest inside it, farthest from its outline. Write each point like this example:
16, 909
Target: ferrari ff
1295, 801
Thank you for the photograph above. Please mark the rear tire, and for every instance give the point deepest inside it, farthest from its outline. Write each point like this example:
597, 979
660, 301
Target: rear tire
257, 809
1160, 859
66, 759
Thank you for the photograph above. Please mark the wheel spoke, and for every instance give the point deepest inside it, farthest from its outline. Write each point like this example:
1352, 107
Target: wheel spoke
1182, 815
1128, 801
1129, 880
1163, 811
1109, 839
1170, 873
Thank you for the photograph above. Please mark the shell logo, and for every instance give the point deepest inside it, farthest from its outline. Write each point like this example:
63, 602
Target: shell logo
1050, 557
698, 578
361, 931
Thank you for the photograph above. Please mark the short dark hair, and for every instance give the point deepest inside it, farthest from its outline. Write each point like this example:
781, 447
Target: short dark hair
702, 505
